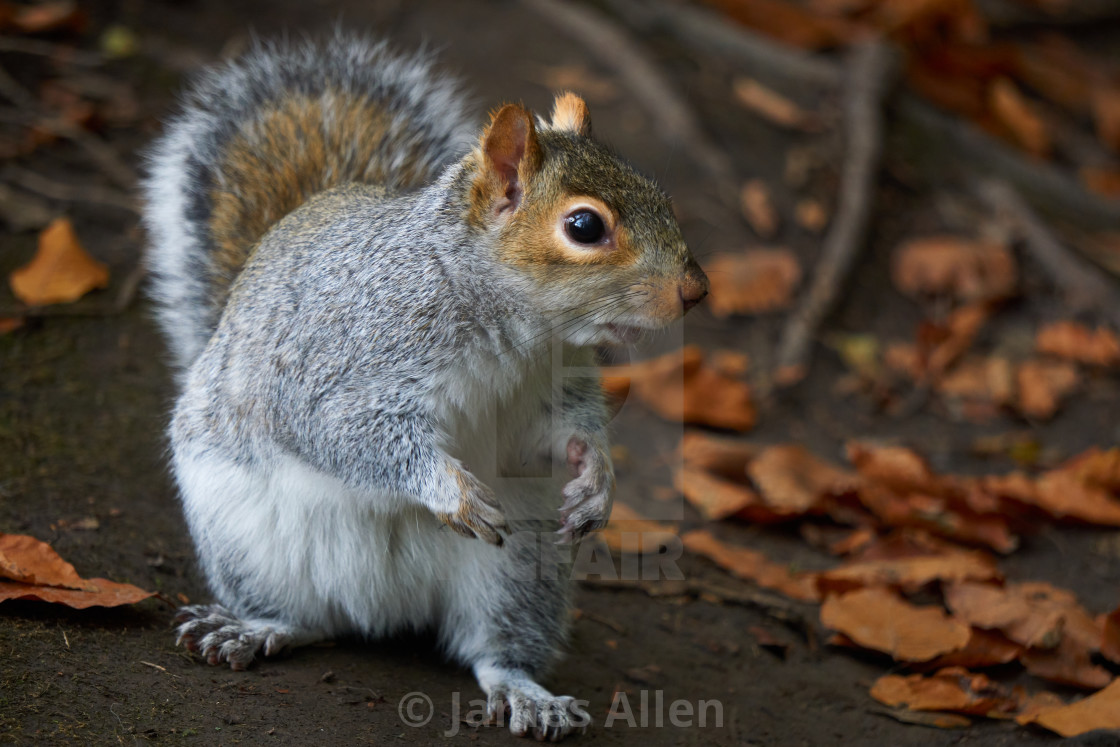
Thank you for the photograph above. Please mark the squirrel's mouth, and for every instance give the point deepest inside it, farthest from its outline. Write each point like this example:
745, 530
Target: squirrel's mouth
623, 333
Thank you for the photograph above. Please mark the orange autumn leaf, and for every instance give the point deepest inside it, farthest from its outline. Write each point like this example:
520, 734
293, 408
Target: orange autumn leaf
791, 479
1043, 385
1101, 710
961, 268
1019, 116
1035, 614
774, 107
811, 215
1110, 636
47, 16
788, 22
752, 566
1076, 342
752, 282
910, 573
1080, 490
679, 386
630, 532
32, 570
952, 689
1106, 114
61, 271
713, 496
1103, 181
985, 648
1069, 664
758, 208
721, 456
880, 620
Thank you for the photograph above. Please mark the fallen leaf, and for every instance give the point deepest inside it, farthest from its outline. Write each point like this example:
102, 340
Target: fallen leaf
978, 387
1033, 614
811, 215
1069, 664
1101, 710
1020, 117
1075, 342
1032, 705
752, 282
680, 387
788, 22
721, 456
953, 689
1110, 636
1071, 491
791, 479
961, 328
752, 566
730, 363
880, 620
714, 497
61, 271
1043, 385
1103, 181
910, 574
1106, 114
37, 572
630, 532
985, 648
47, 16
774, 107
964, 269
758, 208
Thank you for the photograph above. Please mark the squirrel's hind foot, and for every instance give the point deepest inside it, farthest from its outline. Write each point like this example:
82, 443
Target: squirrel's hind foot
214, 632
531, 710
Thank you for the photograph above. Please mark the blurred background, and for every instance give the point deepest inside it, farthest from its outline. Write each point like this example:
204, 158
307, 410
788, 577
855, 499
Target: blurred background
885, 449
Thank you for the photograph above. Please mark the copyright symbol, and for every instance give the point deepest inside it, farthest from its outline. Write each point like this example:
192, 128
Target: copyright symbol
415, 709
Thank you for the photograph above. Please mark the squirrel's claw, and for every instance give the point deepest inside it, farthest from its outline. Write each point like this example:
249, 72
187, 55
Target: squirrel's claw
587, 498
478, 515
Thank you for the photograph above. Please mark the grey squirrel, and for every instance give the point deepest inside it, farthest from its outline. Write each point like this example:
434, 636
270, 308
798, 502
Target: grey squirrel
365, 299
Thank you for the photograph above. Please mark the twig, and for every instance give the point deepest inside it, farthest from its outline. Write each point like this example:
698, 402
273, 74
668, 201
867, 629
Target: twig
766, 59
54, 51
870, 73
949, 143
1082, 284
116, 169
671, 115
91, 193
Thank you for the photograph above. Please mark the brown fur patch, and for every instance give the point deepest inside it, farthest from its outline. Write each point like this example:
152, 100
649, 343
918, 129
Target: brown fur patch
570, 113
289, 154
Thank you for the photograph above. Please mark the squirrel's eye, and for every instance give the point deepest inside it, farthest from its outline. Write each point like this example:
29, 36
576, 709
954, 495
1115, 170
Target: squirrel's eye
585, 227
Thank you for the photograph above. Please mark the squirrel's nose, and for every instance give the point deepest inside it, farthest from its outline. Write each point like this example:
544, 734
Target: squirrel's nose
692, 289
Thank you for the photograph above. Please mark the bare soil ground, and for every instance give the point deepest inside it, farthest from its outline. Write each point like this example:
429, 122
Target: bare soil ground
84, 401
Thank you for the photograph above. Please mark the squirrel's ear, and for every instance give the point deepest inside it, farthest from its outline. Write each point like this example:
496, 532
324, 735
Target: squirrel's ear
512, 155
571, 114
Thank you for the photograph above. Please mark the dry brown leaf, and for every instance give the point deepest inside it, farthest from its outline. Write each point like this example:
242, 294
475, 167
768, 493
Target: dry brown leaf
680, 387
758, 208
969, 270
953, 689
714, 497
1034, 614
721, 456
774, 107
1103, 181
910, 573
47, 16
811, 215
1080, 490
37, 572
1076, 342
935, 515
1069, 664
1032, 705
752, 566
1043, 385
752, 282
1106, 114
961, 328
789, 22
1101, 710
985, 648
1019, 116
791, 479
61, 271
880, 620
630, 532
895, 467
978, 387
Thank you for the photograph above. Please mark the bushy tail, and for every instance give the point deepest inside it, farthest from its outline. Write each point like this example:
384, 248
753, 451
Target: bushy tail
257, 137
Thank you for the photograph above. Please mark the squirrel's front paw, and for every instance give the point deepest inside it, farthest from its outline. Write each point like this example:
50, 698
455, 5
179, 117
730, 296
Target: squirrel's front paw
587, 498
478, 514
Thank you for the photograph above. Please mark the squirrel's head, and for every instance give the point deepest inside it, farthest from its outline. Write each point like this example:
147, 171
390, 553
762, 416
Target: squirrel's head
596, 241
